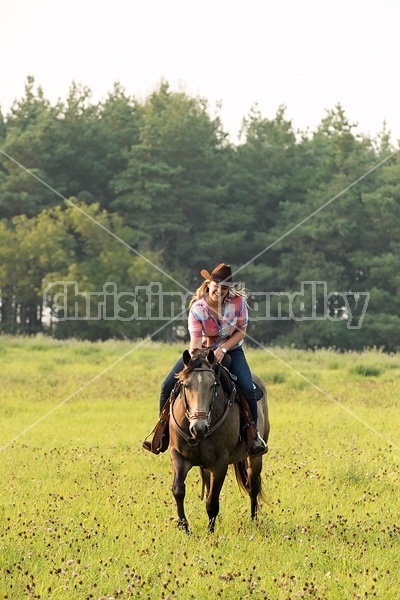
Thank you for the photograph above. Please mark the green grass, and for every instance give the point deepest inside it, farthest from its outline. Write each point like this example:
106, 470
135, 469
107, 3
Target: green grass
86, 513
367, 370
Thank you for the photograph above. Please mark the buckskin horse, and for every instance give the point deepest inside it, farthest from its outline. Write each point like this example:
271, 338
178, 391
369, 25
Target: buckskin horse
205, 431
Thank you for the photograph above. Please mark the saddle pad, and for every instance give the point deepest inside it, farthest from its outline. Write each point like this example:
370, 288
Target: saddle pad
258, 391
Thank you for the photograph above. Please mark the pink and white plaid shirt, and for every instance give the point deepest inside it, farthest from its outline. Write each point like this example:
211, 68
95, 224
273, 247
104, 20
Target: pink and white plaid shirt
203, 324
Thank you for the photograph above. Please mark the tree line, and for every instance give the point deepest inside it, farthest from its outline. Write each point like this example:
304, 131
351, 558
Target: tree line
137, 192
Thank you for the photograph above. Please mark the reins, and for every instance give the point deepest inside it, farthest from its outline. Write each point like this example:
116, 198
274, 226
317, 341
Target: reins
200, 414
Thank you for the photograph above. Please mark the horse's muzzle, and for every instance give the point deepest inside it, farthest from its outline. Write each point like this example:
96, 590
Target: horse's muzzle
199, 424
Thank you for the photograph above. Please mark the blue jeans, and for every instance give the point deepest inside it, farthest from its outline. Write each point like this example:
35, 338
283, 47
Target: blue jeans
239, 367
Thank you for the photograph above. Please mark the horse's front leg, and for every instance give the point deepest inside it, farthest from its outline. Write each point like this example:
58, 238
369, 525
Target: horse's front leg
212, 504
205, 477
180, 468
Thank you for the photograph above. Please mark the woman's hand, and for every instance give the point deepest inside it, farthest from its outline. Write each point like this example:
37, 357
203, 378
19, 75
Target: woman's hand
219, 355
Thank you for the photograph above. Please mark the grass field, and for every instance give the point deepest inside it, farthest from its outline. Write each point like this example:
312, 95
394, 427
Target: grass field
86, 513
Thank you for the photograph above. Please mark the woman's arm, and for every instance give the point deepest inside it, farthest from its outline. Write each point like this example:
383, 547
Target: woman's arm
195, 326
195, 344
230, 343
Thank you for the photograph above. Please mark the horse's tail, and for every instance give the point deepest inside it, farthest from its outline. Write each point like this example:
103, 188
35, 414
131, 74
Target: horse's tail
241, 476
244, 482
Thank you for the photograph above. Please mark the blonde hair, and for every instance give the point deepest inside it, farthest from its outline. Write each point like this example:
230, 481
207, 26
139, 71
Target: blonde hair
237, 289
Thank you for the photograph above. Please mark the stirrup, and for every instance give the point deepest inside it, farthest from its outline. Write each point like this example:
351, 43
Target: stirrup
258, 446
162, 447
147, 445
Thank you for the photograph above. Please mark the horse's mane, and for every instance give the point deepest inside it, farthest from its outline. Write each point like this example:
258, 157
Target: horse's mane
199, 357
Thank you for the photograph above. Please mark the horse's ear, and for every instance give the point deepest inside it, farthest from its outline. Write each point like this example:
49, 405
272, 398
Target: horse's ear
211, 357
186, 357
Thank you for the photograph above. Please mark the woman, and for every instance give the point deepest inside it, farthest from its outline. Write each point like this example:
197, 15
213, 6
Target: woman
218, 319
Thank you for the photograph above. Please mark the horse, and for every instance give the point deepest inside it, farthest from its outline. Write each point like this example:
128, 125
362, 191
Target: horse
205, 431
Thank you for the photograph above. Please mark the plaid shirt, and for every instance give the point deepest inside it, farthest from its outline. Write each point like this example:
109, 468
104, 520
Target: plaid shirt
203, 324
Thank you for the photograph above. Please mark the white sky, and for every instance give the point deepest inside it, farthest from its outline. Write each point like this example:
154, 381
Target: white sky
305, 54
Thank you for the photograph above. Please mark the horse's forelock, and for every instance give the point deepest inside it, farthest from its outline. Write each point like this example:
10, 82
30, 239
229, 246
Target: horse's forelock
199, 360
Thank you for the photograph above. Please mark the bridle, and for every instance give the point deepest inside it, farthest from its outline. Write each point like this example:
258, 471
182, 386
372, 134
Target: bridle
202, 414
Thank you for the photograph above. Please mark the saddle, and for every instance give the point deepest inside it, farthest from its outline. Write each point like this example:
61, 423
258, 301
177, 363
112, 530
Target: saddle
227, 379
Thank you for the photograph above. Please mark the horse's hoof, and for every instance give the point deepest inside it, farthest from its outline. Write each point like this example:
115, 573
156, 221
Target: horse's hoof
183, 525
211, 526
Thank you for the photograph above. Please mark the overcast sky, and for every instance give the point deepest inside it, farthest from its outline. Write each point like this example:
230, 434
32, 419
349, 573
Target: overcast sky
305, 54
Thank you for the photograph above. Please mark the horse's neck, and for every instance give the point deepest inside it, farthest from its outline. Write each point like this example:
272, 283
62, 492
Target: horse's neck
219, 405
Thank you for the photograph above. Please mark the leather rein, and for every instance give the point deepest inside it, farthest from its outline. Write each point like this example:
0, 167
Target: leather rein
201, 414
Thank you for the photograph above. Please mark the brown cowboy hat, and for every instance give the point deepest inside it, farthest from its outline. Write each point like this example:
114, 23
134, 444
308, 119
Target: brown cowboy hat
221, 274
